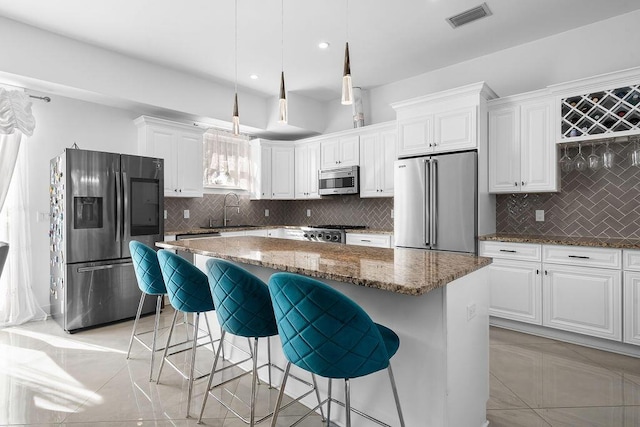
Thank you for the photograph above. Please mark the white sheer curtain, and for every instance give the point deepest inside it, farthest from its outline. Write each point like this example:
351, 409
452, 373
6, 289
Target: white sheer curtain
17, 301
226, 160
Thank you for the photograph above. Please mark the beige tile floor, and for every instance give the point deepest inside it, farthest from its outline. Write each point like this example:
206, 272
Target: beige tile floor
48, 377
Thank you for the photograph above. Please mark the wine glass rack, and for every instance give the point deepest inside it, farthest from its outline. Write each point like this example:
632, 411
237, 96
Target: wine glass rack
601, 113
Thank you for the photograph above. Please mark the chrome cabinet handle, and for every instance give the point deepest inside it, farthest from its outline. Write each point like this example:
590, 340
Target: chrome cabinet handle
522, 183
103, 267
508, 250
578, 256
515, 184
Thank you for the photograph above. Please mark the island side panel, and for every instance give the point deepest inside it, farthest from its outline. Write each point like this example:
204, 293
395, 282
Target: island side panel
420, 366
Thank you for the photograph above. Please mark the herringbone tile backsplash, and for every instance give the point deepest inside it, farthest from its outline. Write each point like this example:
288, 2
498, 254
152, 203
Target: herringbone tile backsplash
604, 203
348, 210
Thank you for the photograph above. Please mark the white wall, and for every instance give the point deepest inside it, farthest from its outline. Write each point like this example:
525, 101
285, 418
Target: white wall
59, 124
602, 47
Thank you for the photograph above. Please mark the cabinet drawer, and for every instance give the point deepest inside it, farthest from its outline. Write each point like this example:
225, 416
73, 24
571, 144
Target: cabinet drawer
631, 260
376, 240
578, 255
506, 250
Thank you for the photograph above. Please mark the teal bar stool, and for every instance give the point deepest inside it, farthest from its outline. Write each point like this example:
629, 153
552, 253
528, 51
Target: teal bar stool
150, 282
326, 333
243, 308
188, 290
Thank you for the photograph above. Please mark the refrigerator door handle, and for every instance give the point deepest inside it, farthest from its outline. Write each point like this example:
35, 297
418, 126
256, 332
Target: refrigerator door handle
103, 267
434, 201
426, 207
118, 205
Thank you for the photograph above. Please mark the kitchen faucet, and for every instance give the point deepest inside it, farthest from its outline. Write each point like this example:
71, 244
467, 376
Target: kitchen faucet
225, 206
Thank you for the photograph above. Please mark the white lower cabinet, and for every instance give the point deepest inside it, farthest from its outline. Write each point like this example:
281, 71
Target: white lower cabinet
516, 290
572, 288
583, 300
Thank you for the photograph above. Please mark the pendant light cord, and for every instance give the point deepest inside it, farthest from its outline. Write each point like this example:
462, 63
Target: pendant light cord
282, 35
236, 44
347, 19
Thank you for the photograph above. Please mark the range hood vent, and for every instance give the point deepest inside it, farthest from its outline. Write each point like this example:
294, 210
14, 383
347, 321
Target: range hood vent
470, 15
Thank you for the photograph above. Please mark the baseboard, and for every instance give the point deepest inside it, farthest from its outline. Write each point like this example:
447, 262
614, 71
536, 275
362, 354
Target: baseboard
570, 337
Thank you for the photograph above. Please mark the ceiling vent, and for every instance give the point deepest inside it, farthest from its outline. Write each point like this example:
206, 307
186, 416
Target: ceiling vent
470, 15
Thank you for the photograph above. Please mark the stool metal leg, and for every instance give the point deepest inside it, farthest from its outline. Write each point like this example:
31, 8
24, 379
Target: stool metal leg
193, 360
155, 335
135, 323
213, 369
395, 395
315, 386
274, 419
347, 400
166, 347
253, 383
329, 404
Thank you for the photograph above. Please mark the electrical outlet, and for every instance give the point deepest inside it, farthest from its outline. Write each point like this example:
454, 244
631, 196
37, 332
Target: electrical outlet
165, 214
308, 212
266, 212
471, 311
539, 215
185, 214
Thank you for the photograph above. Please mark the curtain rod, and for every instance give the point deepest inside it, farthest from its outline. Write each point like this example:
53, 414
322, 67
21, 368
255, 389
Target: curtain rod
42, 98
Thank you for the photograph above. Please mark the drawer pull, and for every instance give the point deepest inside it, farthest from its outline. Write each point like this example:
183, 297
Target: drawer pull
578, 256
365, 240
508, 250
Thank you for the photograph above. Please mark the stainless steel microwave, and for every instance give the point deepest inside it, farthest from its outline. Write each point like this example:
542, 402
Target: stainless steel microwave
338, 181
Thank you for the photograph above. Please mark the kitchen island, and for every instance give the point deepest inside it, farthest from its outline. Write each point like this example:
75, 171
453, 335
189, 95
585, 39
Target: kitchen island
436, 302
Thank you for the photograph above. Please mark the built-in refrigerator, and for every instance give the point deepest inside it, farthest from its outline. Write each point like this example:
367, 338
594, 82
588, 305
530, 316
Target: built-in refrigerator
99, 202
435, 202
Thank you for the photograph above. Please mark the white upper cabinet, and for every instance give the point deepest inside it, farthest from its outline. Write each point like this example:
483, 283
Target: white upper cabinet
442, 122
377, 154
340, 152
180, 145
272, 170
307, 164
282, 172
522, 153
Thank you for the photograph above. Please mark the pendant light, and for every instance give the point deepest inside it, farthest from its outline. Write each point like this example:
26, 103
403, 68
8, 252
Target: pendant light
347, 87
283, 109
235, 120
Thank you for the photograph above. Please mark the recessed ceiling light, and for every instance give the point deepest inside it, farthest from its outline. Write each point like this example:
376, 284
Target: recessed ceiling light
323, 45
253, 77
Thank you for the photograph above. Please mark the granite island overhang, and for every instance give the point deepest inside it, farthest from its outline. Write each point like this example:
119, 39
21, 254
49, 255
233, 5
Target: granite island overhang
436, 302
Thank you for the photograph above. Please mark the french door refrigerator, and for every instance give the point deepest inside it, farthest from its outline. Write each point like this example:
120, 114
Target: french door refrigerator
435, 202
99, 202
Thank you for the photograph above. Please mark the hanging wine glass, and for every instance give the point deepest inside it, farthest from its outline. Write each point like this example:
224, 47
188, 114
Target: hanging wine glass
608, 158
580, 163
635, 154
566, 164
595, 163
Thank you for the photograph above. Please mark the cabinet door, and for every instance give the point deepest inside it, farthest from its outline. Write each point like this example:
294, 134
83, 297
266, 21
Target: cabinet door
538, 152
632, 307
160, 143
516, 290
415, 136
265, 172
312, 170
584, 300
189, 160
282, 170
369, 150
385, 162
301, 166
504, 150
349, 151
455, 130
329, 154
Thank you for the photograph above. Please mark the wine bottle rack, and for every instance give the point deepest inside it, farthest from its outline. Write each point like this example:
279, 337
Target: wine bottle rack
602, 113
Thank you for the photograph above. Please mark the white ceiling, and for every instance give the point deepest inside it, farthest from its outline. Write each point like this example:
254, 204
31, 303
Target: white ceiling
388, 40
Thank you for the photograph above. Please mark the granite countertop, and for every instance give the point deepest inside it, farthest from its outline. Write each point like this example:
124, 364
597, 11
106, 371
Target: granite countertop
564, 240
400, 270
199, 230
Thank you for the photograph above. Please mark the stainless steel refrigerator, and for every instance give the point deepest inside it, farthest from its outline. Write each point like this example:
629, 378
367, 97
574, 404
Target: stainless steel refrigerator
99, 202
435, 202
